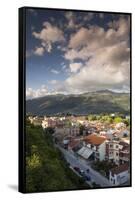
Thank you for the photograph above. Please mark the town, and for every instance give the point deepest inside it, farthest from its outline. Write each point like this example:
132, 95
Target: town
96, 147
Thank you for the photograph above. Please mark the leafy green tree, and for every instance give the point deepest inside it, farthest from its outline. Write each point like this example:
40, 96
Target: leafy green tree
92, 117
33, 161
68, 123
118, 119
82, 128
49, 130
127, 122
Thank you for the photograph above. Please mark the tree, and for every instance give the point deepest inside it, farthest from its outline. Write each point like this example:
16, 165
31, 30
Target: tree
127, 122
49, 130
82, 128
118, 119
92, 117
107, 118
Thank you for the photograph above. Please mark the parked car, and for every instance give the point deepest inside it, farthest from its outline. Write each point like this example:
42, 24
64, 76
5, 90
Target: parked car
87, 178
82, 173
77, 169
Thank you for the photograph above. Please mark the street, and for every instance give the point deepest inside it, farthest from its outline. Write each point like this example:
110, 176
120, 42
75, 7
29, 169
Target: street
75, 161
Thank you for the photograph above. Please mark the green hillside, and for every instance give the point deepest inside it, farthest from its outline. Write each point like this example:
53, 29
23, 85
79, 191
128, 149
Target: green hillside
46, 169
93, 102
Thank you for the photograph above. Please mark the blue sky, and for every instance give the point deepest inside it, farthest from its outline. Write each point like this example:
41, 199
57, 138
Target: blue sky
75, 52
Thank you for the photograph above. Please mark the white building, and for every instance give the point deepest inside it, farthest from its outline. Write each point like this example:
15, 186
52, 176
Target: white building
119, 175
70, 131
37, 121
112, 151
108, 134
51, 122
120, 125
117, 152
44, 124
97, 145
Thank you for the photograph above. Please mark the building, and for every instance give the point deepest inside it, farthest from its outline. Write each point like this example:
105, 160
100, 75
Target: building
62, 131
119, 175
124, 155
73, 144
112, 151
85, 152
121, 133
52, 122
44, 124
70, 131
108, 134
120, 125
49, 123
31, 119
74, 131
126, 140
117, 152
96, 144
37, 121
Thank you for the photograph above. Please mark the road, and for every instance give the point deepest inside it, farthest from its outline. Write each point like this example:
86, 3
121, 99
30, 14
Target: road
75, 161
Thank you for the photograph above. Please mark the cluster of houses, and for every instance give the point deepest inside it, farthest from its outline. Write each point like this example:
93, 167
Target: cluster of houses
97, 142
114, 150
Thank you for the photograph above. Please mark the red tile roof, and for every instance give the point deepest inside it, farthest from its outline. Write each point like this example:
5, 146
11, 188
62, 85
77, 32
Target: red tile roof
119, 169
73, 143
94, 139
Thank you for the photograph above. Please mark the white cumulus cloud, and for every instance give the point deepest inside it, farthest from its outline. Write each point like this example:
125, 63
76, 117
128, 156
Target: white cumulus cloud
39, 51
75, 67
106, 57
55, 71
49, 35
35, 93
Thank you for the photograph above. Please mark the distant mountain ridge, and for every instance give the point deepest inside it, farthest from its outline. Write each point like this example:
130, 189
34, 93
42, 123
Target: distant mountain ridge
91, 102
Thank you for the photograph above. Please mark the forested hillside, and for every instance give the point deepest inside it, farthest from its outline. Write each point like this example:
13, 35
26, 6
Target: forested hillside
46, 168
92, 102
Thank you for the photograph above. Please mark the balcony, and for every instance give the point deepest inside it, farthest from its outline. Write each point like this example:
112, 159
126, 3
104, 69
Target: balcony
124, 159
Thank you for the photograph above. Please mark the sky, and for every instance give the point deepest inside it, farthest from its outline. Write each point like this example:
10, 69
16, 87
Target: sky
76, 52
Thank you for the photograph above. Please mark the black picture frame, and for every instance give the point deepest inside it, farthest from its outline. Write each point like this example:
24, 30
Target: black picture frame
22, 96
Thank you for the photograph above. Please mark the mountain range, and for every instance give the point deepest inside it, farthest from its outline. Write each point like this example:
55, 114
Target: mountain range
97, 102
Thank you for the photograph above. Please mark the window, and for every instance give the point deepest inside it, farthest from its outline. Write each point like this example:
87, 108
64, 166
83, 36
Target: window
118, 178
111, 146
97, 154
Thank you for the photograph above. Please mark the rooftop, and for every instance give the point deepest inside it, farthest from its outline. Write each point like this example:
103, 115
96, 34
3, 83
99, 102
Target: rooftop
85, 152
74, 143
94, 139
119, 169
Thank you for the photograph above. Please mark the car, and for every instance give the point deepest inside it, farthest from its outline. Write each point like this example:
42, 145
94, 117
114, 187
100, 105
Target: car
87, 178
82, 172
77, 169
